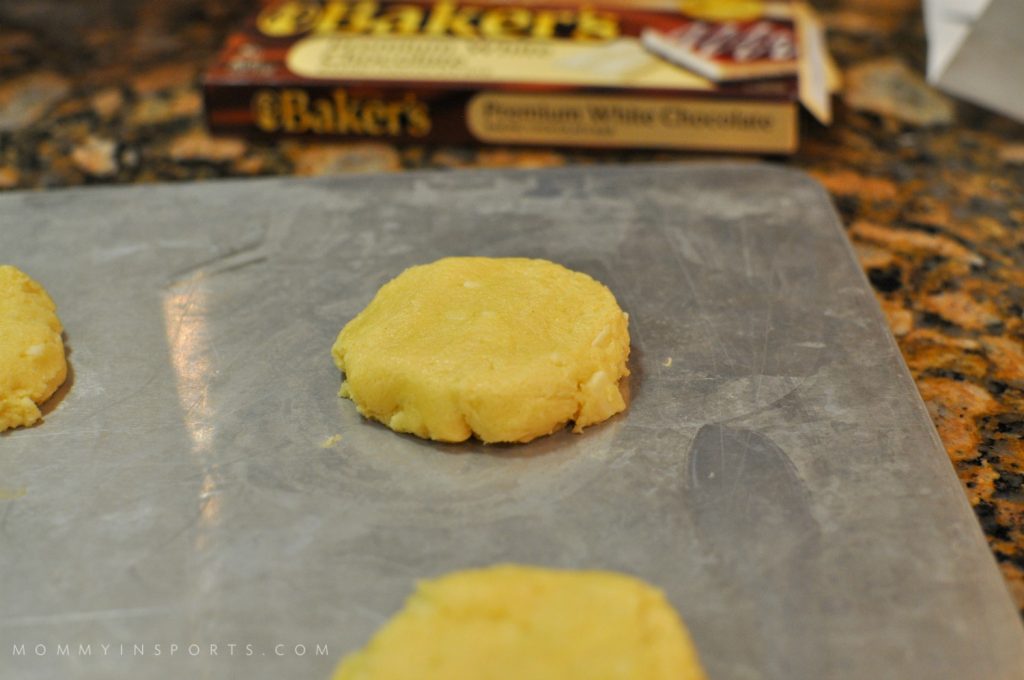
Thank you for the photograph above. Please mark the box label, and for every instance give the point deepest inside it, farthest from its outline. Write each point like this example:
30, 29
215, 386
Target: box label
617, 121
614, 63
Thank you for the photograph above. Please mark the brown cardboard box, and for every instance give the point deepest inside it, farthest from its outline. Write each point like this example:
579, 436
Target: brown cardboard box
719, 76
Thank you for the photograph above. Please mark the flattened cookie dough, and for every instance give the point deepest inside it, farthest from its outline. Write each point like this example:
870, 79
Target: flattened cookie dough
32, 361
513, 622
505, 349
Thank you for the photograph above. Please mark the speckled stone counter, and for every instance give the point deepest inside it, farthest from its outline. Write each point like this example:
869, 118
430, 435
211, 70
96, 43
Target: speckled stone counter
932, 190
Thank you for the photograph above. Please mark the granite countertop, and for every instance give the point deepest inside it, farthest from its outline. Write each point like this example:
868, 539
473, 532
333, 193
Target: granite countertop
931, 190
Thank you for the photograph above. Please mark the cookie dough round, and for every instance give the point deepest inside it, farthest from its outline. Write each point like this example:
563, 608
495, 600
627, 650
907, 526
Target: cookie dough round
514, 622
506, 349
32, 362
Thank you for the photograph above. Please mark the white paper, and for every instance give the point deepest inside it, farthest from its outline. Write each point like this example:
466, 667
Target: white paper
975, 51
947, 23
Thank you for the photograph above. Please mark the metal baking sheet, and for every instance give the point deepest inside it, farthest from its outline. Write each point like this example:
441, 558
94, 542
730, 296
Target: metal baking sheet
776, 472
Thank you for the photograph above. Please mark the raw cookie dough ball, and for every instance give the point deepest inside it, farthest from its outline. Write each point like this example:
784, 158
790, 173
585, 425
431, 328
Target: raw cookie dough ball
505, 349
512, 623
32, 363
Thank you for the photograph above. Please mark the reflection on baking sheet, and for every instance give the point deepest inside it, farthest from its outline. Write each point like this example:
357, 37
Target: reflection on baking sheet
185, 321
209, 510
186, 324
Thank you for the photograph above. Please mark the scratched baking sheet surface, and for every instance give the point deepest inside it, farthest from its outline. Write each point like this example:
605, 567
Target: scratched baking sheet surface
776, 473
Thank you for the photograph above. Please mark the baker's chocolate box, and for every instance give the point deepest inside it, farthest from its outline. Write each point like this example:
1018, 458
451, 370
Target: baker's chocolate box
711, 75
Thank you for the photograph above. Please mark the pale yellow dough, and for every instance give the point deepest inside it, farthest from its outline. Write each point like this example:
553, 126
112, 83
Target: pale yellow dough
513, 622
32, 362
504, 349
